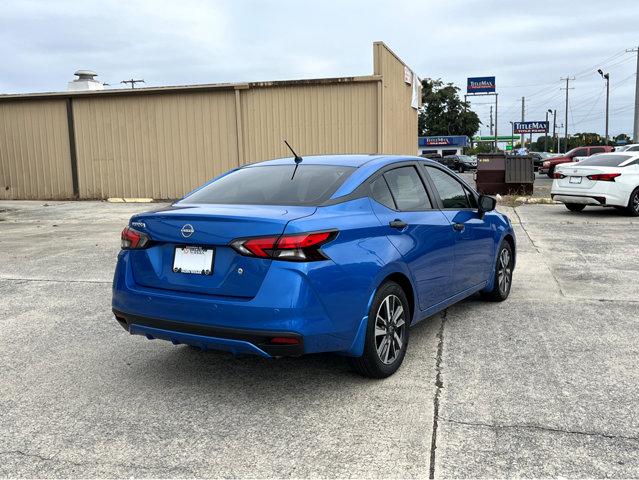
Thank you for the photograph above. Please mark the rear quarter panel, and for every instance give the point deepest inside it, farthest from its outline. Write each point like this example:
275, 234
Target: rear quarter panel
361, 257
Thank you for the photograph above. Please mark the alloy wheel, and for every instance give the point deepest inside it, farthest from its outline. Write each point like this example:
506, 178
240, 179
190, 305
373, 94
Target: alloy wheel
390, 327
635, 202
504, 271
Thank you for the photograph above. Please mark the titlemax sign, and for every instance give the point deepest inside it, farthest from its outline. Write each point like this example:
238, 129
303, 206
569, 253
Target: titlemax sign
481, 85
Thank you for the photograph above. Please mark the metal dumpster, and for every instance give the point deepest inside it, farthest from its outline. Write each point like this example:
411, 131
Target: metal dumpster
505, 174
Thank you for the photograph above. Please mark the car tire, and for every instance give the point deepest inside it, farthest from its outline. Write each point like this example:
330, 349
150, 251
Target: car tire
633, 203
550, 172
382, 357
503, 276
461, 169
575, 207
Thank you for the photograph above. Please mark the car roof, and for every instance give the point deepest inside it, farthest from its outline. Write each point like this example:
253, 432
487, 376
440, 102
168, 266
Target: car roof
615, 154
336, 160
374, 161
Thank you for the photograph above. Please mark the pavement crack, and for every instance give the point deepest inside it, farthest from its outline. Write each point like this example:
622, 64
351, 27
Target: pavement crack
89, 463
538, 250
525, 426
439, 385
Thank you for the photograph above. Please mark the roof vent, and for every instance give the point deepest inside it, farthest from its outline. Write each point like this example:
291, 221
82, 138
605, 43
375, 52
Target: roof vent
85, 81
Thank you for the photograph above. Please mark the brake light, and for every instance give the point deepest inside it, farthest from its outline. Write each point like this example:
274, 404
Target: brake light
558, 175
604, 177
132, 239
299, 247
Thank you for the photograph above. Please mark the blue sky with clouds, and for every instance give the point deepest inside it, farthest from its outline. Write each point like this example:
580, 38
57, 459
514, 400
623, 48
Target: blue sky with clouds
528, 47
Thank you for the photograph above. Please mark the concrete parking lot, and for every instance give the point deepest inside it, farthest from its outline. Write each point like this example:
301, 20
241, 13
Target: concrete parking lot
545, 384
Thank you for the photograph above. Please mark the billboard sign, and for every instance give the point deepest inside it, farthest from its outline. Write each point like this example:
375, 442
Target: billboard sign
443, 141
530, 127
480, 85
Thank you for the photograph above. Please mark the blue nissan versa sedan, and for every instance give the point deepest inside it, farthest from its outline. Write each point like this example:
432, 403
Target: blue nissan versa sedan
335, 253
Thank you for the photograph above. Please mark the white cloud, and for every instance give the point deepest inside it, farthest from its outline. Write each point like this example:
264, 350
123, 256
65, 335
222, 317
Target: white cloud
197, 41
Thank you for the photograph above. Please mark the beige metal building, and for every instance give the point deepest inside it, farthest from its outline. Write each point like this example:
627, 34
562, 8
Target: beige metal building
162, 142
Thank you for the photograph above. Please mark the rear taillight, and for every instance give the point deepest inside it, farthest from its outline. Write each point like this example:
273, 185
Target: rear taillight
558, 175
299, 247
132, 239
604, 177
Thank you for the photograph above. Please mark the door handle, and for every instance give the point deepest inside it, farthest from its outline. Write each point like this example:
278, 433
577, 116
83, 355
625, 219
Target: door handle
398, 224
458, 226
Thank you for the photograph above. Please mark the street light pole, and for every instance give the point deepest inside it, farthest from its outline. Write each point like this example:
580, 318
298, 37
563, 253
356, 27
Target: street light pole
606, 77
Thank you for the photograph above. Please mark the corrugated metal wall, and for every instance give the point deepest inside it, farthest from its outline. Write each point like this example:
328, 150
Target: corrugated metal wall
157, 146
398, 118
315, 119
161, 143
34, 150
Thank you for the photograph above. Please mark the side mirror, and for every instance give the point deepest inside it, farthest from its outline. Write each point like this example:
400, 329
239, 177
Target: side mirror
486, 203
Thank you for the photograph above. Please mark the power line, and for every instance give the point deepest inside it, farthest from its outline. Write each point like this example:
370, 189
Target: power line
598, 64
592, 107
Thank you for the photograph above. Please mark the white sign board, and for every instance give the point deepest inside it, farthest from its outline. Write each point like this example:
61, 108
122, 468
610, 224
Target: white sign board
408, 75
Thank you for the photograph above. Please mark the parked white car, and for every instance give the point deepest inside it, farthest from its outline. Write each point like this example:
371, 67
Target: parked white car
631, 147
607, 179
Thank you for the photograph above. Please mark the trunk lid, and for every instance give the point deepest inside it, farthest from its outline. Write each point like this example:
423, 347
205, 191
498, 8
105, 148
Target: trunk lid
208, 226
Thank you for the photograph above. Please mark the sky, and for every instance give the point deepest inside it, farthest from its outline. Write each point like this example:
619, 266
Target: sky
527, 47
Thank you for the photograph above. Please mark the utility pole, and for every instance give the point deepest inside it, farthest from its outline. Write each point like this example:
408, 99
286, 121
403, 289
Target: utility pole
566, 121
133, 82
546, 134
523, 109
554, 128
635, 130
496, 137
491, 120
606, 77
512, 136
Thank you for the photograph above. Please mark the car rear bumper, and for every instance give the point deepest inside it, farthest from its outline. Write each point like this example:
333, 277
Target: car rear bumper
287, 305
207, 337
590, 197
579, 199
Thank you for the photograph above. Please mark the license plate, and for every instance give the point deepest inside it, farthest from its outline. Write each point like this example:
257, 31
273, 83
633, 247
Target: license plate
575, 179
194, 260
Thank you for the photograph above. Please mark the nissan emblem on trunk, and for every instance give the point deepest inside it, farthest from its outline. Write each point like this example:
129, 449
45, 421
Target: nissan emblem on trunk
187, 230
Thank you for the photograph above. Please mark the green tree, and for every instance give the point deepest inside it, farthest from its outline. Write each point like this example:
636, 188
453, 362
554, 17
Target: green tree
585, 139
443, 112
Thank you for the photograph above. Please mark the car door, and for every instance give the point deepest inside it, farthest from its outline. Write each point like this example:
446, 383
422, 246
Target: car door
420, 232
474, 235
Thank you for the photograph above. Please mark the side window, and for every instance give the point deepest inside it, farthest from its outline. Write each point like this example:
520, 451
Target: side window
381, 193
597, 150
471, 198
582, 152
407, 189
452, 193
633, 149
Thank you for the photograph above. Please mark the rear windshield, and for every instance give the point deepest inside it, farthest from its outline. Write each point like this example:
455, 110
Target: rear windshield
274, 185
605, 160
